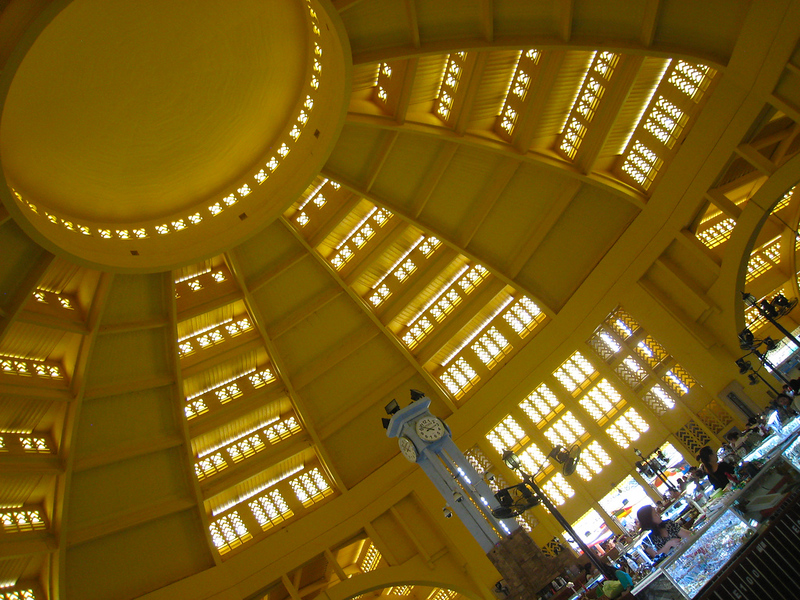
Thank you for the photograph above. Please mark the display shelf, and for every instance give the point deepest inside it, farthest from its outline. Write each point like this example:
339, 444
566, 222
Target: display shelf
714, 547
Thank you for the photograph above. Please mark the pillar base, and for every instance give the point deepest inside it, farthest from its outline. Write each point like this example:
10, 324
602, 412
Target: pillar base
524, 566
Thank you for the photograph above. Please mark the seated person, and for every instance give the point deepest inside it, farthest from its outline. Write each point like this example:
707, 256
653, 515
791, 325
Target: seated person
719, 474
783, 404
664, 535
616, 582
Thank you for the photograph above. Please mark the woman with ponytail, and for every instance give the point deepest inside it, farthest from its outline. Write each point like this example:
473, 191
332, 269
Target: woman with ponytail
719, 474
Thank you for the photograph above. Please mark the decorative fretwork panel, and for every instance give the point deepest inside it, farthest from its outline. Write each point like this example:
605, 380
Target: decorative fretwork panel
715, 417
622, 324
479, 461
270, 509
679, 380
658, 400
651, 352
517, 94
692, 436
631, 372
228, 532
604, 344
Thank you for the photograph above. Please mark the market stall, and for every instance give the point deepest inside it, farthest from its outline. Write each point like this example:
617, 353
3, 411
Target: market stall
730, 531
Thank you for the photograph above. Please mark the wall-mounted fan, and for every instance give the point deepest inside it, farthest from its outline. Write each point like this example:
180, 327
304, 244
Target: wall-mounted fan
568, 458
514, 501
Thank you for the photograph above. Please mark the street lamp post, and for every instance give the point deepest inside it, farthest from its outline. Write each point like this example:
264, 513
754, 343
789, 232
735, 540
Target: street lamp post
512, 462
654, 464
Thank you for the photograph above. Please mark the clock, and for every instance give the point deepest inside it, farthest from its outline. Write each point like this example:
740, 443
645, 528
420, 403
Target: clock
407, 448
429, 428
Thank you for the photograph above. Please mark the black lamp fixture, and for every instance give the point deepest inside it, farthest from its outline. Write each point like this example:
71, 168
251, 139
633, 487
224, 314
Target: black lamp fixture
771, 310
744, 365
652, 466
513, 462
746, 368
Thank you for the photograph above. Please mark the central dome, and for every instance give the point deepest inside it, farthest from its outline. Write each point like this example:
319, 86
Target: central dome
133, 111
129, 117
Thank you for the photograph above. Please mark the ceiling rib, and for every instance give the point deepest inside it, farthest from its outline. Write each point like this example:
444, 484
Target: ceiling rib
130, 518
52, 322
489, 197
434, 343
565, 10
556, 209
541, 89
61, 501
230, 411
367, 402
333, 221
257, 282
380, 156
316, 369
281, 326
430, 230
31, 463
391, 308
177, 393
487, 19
433, 177
371, 315
413, 22
391, 233
468, 102
650, 21
404, 93
245, 469
280, 369
126, 452
23, 292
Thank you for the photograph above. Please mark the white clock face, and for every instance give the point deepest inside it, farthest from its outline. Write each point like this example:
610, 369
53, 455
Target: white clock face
407, 448
429, 429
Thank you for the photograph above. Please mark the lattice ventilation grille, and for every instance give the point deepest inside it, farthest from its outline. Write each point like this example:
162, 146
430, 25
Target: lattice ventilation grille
715, 417
692, 436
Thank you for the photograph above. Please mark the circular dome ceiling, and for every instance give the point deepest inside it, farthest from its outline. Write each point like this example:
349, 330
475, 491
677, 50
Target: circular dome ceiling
129, 131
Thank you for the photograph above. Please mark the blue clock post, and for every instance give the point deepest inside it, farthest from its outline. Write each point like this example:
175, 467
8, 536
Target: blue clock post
426, 440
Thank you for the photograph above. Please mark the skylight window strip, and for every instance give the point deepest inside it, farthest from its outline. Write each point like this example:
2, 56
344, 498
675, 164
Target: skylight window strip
443, 290
355, 229
716, 234
646, 104
314, 192
196, 275
205, 330
272, 482
219, 385
479, 330
399, 261
454, 66
232, 440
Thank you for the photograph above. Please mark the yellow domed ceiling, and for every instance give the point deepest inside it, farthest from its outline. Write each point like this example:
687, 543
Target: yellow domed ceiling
231, 233
127, 123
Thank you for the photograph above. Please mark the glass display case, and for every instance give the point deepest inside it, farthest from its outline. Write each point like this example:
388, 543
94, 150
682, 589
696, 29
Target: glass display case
792, 454
690, 570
